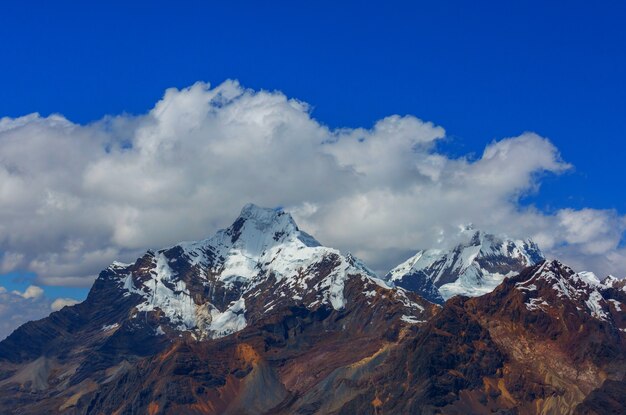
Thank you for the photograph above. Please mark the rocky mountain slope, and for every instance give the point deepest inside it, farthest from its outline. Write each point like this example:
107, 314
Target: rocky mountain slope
473, 267
544, 341
262, 319
260, 275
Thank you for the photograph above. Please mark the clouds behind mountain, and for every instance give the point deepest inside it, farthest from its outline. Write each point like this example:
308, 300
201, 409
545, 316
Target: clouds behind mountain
75, 197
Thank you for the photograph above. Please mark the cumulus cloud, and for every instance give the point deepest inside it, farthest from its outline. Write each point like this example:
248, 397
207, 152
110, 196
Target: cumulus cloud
75, 197
31, 292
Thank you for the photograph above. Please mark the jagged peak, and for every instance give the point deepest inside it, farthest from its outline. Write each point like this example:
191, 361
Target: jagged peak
552, 280
486, 243
554, 271
264, 219
475, 265
552, 268
259, 214
470, 232
275, 222
360, 265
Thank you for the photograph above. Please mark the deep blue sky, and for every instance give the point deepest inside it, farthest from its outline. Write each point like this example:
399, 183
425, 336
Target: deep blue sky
482, 70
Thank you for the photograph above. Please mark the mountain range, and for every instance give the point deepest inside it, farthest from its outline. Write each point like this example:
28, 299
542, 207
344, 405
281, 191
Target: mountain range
263, 319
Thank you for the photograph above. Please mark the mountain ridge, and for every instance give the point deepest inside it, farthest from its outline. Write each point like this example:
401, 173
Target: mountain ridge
202, 327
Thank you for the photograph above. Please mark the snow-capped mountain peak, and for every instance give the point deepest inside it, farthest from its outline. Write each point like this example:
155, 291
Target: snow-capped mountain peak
555, 285
256, 237
261, 262
256, 223
475, 266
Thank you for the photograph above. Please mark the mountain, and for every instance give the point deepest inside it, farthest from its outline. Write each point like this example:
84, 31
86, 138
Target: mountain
263, 319
475, 266
261, 279
543, 342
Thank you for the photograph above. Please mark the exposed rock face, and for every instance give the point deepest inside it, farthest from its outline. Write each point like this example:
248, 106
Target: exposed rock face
262, 319
474, 267
608, 399
488, 354
544, 341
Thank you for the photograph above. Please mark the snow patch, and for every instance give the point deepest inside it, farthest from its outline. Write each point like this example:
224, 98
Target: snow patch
531, 287
175, 303
537, 304
404, 299
230, 321
411, 320
594, 305
110, 327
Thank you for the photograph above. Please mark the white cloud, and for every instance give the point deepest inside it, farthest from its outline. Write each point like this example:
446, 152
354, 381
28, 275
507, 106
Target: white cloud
594, 231
31, 292
75, 197
59, 303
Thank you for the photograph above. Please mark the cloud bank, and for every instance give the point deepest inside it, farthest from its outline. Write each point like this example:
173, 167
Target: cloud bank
73, 198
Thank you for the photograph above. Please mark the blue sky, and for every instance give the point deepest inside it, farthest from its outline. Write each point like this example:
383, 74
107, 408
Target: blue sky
482, 70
